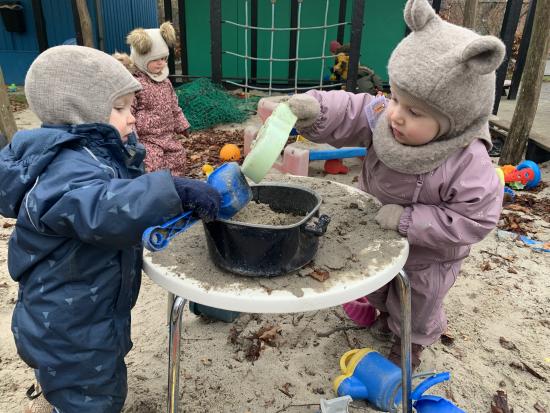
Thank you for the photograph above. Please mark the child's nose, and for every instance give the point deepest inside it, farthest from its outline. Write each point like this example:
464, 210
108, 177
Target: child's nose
131, 119
396, 115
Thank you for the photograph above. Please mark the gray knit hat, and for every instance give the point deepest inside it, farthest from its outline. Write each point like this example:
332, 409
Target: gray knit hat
448, 67
71, 85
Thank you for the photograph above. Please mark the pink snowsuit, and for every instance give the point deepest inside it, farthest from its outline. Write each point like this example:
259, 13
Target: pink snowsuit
446, 210
158, 120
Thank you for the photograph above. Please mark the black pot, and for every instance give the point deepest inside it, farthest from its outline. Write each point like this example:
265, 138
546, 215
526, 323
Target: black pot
267, 250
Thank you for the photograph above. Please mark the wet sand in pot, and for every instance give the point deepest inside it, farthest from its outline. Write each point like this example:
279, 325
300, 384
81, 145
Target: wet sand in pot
261, 214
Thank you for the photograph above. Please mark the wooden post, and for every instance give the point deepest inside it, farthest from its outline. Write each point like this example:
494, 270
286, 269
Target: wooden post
355, 44
85, 23
470, 13
216, 40
7, 121
526, 107
507, 32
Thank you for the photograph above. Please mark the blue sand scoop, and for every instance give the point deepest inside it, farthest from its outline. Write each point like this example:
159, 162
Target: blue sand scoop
235, 193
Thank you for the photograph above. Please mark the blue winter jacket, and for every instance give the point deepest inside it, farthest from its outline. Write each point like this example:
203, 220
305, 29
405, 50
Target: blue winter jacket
81, 208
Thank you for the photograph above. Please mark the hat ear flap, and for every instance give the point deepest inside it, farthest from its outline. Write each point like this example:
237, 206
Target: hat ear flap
418, 14
140, 41
484, 55
168, 34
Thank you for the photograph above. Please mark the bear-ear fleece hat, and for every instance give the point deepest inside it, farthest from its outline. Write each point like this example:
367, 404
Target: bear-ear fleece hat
151, 44
451, 70
448, 67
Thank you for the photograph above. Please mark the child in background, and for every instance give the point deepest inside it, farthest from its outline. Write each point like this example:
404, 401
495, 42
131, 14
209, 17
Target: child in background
159, 119
427, 161
76, 188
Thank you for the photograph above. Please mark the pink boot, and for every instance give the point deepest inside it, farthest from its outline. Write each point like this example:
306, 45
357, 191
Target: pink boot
361, 312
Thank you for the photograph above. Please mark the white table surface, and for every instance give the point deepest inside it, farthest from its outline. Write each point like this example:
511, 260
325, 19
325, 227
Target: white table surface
282, 294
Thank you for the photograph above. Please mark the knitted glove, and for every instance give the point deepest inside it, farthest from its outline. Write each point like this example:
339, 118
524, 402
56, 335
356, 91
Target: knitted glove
198, 197
389, 215
306, 108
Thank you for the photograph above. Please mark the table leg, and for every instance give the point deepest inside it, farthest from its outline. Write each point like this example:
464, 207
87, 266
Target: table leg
405, 299
174, 354
169, 304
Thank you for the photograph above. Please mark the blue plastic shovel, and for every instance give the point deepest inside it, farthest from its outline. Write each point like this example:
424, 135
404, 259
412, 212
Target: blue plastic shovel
229, 181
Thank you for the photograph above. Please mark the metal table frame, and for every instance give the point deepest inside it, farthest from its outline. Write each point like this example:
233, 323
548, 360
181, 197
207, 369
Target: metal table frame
251, 299
176, 304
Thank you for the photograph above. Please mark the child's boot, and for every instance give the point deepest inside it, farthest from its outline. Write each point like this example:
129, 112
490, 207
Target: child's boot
361, 312
364, 314
38, 403
383, 329
395, 354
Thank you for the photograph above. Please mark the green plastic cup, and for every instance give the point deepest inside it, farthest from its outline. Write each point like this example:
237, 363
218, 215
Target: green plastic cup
269, 143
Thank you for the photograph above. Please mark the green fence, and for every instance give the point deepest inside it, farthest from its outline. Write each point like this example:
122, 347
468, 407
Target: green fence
383, 29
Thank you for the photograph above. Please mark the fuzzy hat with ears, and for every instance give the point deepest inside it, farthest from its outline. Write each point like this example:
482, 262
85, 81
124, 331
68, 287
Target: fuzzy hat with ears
151, 44
451, 70
449, 67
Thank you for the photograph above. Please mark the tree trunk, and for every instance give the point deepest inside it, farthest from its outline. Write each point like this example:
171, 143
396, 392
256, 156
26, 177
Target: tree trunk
470, 13
7, 121
526, 106
85, 23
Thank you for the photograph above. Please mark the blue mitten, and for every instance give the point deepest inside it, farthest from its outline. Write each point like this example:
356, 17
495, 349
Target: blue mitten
198, 197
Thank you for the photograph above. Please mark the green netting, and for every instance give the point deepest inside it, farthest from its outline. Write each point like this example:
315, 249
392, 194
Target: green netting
206, 105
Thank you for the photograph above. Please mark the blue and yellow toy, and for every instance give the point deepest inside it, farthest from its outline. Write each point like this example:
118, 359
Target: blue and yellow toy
367, 375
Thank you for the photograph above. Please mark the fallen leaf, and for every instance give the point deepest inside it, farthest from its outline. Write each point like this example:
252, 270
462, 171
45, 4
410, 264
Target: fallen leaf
7, 225
508, 345
486, 266
268, 333
531, 205
285, 390
253, 351
500, 403
320, 275
515, 207
515, 223
234, 334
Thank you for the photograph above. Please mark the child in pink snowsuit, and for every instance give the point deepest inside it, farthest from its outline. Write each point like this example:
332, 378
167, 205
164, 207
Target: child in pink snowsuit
159, 119
427, 160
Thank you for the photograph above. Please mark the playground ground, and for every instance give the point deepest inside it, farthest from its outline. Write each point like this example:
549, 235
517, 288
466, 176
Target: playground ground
499, 330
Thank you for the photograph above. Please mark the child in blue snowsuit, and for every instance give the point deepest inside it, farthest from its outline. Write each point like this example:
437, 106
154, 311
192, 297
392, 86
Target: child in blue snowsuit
81, 201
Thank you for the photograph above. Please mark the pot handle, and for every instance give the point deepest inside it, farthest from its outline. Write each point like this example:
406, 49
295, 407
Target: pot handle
320, 227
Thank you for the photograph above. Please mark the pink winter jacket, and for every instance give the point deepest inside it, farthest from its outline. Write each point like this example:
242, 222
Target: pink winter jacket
156, 110
458, 203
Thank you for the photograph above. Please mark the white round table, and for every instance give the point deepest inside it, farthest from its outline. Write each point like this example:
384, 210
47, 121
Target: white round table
198, 280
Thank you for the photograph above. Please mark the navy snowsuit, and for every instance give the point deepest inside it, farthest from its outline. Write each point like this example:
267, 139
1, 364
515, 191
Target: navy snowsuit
81, 208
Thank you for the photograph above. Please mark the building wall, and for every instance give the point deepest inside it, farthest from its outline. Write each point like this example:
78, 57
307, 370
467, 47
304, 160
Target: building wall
18, 50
